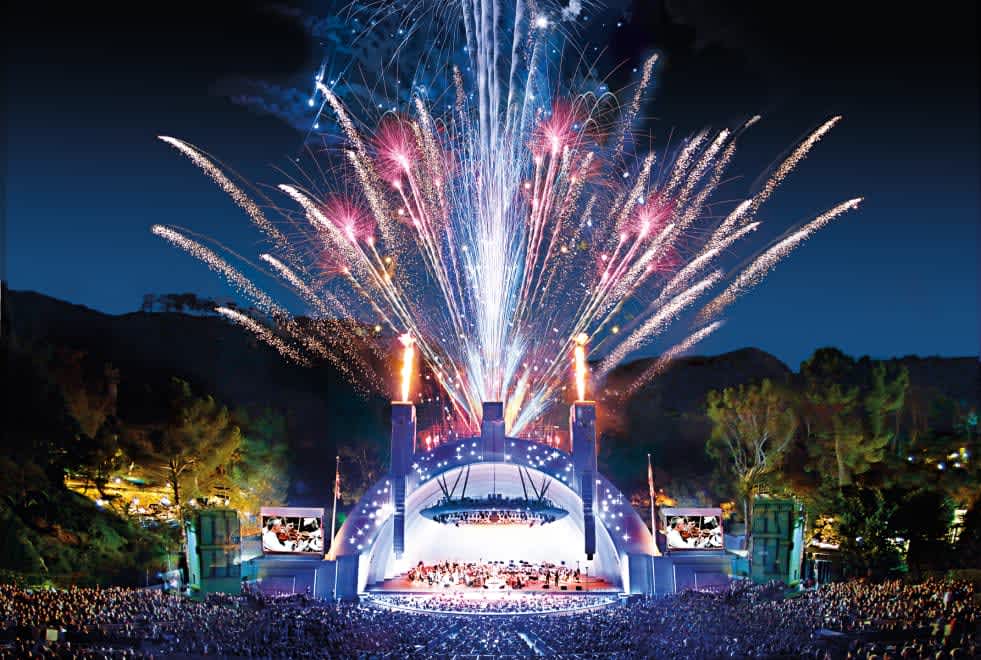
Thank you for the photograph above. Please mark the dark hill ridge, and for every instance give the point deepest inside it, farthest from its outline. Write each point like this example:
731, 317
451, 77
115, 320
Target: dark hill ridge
219, 358
666, 417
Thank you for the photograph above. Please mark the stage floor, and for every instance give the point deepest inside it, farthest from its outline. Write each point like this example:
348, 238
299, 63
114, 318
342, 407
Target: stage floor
402, 584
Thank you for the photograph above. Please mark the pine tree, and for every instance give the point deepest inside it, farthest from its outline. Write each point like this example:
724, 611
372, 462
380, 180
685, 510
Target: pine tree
188, 449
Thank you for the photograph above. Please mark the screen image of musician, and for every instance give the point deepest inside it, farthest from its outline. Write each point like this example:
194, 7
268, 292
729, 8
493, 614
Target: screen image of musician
694, 532
289, 534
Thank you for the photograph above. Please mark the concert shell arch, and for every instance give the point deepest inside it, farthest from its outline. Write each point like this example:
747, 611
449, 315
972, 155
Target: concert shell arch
370, 533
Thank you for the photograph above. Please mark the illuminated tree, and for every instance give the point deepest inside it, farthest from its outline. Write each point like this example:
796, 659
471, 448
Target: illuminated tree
844, 413
868, 534
189, 448
752, 429
258, 473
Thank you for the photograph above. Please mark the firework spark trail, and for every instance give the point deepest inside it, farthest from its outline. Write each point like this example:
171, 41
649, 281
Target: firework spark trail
792, 161
656, 323
665, 358
220, 266
758, 269
263, 333
237, 194
631, 114
702, 260
305, 292
495, 232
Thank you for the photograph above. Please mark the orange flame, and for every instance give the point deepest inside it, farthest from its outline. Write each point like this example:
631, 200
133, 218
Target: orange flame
408, 354
580, 357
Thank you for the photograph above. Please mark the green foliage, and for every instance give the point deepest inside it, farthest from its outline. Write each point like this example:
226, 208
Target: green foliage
867, 534
71, 539
844, 410
258, 470
753, 426
189, 447
62, 421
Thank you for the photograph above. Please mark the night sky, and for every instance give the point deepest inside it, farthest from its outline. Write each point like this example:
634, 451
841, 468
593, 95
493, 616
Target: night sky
89, 89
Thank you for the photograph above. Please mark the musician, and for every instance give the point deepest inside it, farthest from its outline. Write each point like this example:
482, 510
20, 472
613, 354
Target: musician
678, 535
271, 538
311, 541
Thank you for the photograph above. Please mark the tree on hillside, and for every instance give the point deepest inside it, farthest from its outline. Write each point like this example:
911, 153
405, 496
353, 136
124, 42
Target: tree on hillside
844, 414
258, 471
90, 391
884, 399
753, 426
177, 302
868, 534
189, 447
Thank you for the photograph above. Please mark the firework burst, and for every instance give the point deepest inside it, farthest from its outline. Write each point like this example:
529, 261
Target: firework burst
502, 231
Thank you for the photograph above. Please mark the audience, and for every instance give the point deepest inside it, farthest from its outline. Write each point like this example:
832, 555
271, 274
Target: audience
469, 603
855, 620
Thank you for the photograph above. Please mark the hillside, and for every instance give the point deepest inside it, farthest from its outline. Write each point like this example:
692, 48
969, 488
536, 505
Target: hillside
666, 417
219, 358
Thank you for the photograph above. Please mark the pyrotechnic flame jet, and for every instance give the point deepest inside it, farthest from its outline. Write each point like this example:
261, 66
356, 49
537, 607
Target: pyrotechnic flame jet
498, 222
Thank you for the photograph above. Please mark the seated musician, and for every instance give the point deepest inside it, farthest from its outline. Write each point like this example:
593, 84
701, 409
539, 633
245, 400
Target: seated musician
678, 535
275, 538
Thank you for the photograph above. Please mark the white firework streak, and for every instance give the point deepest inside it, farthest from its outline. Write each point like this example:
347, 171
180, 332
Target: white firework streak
791, 162
703, 260
766, 261
220, 266
666, 358
631, 114
656, 323
305, 292
263, 333
237, 194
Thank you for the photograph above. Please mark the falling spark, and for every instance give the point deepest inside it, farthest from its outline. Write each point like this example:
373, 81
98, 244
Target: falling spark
233, 191
766, 261
659, 365
491, 226
263, 333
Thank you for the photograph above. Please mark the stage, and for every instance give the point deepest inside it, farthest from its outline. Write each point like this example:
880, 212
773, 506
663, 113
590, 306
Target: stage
402, 584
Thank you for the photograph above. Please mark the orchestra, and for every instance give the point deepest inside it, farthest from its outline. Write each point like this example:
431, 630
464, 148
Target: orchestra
495, 575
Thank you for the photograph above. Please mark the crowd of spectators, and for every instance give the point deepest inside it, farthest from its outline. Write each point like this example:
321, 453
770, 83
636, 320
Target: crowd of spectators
470, 603
934, 619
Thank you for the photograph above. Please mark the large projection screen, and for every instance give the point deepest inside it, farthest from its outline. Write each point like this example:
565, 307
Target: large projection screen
689, 529
292, 530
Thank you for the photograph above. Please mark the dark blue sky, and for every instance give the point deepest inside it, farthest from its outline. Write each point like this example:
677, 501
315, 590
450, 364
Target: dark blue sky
89, 89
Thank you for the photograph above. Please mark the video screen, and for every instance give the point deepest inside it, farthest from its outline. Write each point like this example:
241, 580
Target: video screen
288, 530
693, 529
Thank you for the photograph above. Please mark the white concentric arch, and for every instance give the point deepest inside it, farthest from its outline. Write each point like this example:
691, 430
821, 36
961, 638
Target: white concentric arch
368, 530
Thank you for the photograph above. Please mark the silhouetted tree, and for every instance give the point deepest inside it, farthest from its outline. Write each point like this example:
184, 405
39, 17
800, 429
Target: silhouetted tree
845, 430
188, 448
753, 426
